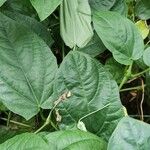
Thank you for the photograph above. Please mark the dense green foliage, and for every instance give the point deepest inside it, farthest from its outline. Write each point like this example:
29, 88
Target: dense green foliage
66, 69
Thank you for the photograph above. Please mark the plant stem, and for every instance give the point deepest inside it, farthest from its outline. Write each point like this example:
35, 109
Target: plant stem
17, 123
126, 77
53, 25
74, 48
132, 88
42, 116
145, 116
48, 120
141, 104
55, 16
42, 127
63, 50
147, 43
8, 118
140, 73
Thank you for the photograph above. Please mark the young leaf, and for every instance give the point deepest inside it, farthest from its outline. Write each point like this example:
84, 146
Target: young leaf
2, 2
75, 22
75, 140
146, 56
119, 35
26, 141
112, 5
27, 69
45, 7
143, 28
130, 134
142, 9
92, 88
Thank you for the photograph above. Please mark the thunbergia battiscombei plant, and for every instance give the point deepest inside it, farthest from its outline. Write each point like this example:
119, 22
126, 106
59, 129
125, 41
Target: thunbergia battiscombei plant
66, 68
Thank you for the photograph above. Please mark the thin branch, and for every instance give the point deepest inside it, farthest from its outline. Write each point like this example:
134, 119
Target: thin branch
140, 73
15, 122
141, 104
126, 76
8, 118
56, 103
132, 88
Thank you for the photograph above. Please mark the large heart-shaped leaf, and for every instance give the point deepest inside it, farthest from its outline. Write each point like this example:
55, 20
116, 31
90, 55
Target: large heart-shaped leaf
2, 2
142, 9
112, 5
130, 134
91, 88
76, 139
45, 7
75, 22
61, 140
119, 35
27, 69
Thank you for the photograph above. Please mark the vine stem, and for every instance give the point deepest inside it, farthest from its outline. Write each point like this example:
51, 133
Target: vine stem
140, 73
56, 103
48, 120
126, 76
141, 104
8, 118
132, 88
17, 123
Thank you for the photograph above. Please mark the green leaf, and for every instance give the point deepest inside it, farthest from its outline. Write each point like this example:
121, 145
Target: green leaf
45, 7
25, 141
117, 70
76, 139
94, 47
2, 107
113, 5
142, 9
130, 134
102, 122
91, 88
143, 28
20, 6
119, 35
61, 140
2, 2
6, 133
32, 24
146, 56
75, 22
27, 69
